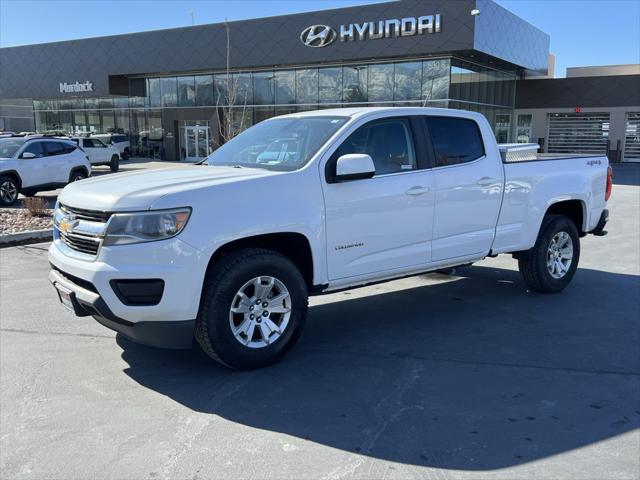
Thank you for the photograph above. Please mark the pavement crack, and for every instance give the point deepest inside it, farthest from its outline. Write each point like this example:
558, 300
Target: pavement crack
62, 334
480, 362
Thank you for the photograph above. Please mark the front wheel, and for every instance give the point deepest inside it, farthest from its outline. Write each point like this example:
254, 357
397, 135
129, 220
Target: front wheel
551, 264
253, 308
77, 175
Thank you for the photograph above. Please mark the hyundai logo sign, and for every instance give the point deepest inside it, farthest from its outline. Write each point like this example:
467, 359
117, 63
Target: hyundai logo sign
318, 36
323, 35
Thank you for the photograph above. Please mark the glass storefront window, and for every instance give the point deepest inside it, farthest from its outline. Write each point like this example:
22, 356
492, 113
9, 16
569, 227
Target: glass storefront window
139, 134
108, 121
285, 82
355, 82
79, 122
243, 89
66, 121
122, 121
93, 121
120, 102
169, 88
262, 113
153, 91
307, 86
435, 79
90, 103
155, 135
330, 85
222, 83
105, 102
381, 82
408, 81
263, 88
186, 92
523, 128
204, 90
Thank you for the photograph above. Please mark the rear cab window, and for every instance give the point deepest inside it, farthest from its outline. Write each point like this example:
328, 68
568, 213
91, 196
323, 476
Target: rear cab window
455, 140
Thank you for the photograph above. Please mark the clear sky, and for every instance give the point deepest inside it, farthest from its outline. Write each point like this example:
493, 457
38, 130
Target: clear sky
583, 32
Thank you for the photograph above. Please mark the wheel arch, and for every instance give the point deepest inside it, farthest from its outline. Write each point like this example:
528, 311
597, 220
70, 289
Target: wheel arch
574, 209
15, 175
293, 245
76, 168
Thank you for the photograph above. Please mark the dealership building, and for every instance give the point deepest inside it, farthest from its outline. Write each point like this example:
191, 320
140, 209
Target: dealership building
173, 92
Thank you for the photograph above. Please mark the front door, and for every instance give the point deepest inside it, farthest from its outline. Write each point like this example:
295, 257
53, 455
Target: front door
384, 223
196, 141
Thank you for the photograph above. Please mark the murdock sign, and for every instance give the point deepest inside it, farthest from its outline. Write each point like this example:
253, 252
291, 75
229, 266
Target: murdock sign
323, 35
76, 87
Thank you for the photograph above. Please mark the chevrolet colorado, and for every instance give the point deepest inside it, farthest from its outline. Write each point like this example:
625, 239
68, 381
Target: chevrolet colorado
228, 251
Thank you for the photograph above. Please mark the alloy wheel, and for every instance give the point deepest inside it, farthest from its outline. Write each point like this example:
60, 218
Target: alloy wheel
260, 312
560, 255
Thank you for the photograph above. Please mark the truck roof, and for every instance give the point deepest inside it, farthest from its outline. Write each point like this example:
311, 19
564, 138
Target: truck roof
354, 112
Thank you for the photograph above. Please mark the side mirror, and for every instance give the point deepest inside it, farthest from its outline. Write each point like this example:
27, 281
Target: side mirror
28, 155
354, 166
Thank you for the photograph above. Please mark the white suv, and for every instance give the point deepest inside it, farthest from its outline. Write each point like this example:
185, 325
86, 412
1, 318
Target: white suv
99, 153
29, 165
119, 140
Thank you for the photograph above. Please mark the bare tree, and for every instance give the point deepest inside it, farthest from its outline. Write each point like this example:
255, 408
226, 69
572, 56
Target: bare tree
232, 102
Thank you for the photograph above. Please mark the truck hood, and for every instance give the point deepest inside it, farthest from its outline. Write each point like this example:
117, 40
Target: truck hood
139, 190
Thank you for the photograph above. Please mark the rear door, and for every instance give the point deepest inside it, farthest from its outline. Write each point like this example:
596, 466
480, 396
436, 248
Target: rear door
468, 188
381, 223
58, 161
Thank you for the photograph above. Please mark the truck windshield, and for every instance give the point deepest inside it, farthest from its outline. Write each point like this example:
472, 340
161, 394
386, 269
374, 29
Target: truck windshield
9, 146
283, 144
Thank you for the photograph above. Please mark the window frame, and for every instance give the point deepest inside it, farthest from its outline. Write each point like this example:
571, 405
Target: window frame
54, 153
423, 154
432, 148
27, 144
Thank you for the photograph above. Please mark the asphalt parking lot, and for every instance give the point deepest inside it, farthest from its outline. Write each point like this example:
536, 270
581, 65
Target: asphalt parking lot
437, 377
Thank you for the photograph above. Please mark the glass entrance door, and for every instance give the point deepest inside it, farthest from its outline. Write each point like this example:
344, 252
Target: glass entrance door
196, 141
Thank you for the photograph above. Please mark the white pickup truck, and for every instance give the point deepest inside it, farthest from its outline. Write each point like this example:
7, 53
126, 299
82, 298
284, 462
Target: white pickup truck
228, 251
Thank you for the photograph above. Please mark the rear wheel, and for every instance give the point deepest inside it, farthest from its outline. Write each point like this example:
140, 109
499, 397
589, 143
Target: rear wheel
8, 190
253, 307
114, 165
551, 264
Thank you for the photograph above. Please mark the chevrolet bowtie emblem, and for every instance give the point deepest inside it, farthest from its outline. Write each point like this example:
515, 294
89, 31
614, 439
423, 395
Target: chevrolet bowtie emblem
68, 223
318, 36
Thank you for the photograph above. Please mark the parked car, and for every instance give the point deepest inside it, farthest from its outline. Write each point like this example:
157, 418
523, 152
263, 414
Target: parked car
229, 251
32, 164
119, 141
99, 153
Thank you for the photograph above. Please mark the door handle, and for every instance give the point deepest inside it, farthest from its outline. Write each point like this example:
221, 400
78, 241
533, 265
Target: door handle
486, 181
417, 190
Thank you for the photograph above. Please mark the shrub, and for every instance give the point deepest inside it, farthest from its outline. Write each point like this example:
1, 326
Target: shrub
36, 206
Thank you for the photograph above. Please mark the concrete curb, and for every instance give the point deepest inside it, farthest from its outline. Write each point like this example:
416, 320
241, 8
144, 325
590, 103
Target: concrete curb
24, 238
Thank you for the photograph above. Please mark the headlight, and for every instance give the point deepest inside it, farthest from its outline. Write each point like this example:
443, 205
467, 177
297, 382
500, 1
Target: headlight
139, 227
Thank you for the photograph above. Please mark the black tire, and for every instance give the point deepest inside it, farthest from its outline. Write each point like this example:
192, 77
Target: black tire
533, 263
77, 175
213, 326
114, 165
126, 154
9, 190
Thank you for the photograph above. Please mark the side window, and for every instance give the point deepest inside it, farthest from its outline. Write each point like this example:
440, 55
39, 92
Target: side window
98, 143
87, 143
69, 147
37, 148
455, 140
387, 141
55, 148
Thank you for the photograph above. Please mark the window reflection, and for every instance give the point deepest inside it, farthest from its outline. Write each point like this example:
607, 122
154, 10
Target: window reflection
204, 90
408, 81
307, 86
168, 87
186, 92
285, 87
330, 85
355, 83
263, 88
381, 82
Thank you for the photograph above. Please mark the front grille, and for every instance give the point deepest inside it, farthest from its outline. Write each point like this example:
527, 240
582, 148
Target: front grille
86, 236
76, 280
81, 243
90, 215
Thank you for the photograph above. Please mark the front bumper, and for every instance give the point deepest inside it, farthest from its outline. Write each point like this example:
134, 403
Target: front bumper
167, 323
85, 302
